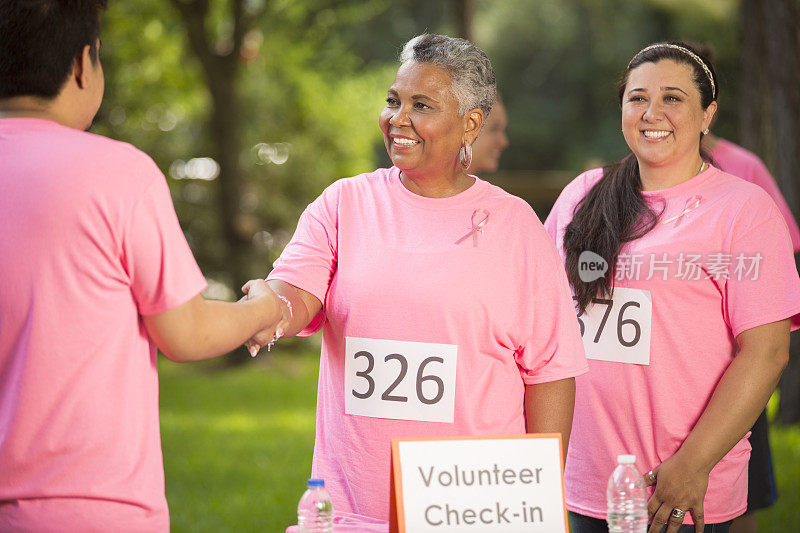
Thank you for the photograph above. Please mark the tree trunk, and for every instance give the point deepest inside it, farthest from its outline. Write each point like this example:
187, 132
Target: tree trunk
221, 73
752, 78
224, 121
463, 16
782, 17
783, 65
769, 106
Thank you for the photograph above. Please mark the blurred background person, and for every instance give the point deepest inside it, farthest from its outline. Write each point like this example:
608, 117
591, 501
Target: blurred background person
491, 142
743, 163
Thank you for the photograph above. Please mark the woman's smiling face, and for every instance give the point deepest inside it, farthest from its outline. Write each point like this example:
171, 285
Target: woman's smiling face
421, 127
662, 116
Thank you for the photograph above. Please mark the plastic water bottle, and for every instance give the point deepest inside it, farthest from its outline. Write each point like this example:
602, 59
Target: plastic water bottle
315, 510
626, 497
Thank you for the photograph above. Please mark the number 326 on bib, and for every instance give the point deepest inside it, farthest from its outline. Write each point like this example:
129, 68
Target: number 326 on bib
401, 380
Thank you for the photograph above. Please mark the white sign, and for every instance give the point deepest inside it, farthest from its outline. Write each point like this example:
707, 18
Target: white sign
508, 484
402, 380
618, 330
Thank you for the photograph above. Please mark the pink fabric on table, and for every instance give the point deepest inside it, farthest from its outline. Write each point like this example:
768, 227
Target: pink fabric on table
90, 242
744, 164
648, 410
389, 264
352, 523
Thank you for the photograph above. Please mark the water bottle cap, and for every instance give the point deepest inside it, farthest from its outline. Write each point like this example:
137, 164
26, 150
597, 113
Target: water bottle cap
314, 482
626, 459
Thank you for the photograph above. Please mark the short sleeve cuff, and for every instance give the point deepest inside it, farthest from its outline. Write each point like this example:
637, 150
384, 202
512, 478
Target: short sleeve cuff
547, 377
793, 315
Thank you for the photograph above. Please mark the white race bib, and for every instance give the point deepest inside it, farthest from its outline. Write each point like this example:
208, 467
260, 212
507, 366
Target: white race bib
400, 379
618, 330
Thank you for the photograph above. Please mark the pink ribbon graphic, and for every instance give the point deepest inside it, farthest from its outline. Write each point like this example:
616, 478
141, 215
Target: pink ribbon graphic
691, 204
479, 219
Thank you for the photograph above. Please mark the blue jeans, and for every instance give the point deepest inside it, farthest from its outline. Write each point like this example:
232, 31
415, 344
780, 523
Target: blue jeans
579, 523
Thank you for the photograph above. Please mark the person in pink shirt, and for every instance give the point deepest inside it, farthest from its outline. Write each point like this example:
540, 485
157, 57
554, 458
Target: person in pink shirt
686, 290
744, 164
95, 273
443, 304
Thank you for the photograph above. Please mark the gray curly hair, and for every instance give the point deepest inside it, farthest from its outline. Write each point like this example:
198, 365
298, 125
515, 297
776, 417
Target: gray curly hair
474, 85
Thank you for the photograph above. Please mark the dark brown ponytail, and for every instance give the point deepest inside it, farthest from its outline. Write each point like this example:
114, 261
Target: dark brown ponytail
612, 213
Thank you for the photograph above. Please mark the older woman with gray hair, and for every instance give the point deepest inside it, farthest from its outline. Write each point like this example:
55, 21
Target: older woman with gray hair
444, 308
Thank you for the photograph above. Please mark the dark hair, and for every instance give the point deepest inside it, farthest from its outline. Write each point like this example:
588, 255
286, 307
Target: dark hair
40, 40
614, 211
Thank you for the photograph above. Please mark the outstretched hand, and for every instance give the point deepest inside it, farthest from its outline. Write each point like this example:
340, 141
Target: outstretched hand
258, 288
679, 488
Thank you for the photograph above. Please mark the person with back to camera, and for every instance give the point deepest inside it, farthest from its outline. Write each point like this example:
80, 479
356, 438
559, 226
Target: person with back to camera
424, 270
93, 266
688, 330
490, 144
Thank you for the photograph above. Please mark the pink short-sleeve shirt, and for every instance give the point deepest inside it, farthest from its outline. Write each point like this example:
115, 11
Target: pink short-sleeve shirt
472, 280
718, 262
90, 242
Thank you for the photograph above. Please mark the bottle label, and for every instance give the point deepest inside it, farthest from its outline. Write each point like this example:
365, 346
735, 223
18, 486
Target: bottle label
618, 329
400, 379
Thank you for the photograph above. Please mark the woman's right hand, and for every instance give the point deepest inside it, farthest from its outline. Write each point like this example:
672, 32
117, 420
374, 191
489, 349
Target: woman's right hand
258, 288
679, 485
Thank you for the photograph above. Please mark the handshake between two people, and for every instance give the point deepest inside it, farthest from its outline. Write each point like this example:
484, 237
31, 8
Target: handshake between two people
258, 288
202, 329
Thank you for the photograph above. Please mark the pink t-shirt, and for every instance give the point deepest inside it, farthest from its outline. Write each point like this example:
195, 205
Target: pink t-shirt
90, 242
416, 290
718, 262
744, 164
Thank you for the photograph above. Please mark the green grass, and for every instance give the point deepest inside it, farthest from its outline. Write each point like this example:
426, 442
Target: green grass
785, 514
238, 444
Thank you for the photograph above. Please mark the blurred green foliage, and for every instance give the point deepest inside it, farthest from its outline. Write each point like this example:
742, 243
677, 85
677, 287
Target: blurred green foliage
313, 78
558, 63
305, 94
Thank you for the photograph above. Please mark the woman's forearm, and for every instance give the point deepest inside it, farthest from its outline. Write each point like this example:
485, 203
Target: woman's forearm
740, 396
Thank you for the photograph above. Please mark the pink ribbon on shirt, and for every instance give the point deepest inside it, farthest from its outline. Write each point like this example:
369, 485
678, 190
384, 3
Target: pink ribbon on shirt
479, 219
691, 204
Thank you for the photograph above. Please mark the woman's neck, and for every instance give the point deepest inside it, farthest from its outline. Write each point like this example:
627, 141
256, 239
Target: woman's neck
664, 177
436, 186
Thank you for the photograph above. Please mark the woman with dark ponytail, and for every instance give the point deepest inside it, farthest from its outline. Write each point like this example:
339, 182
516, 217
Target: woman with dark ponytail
685, 288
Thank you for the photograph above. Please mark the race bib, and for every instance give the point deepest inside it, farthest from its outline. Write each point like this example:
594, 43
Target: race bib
618, 329
400, 379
